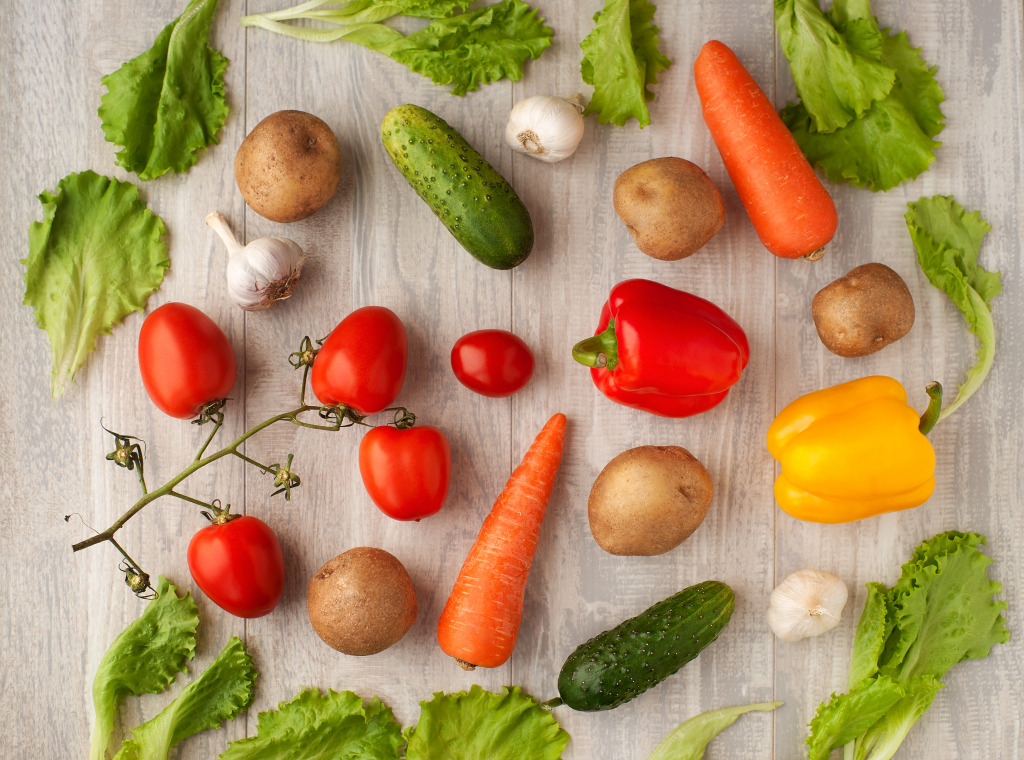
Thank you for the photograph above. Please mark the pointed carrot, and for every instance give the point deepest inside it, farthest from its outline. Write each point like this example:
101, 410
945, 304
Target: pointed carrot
480, 621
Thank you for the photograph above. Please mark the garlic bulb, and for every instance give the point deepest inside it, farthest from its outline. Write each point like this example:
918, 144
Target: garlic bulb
806, 603
546, 127
262, 272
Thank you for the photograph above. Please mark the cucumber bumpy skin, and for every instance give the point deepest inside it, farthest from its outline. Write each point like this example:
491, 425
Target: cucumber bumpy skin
627, 660
476, 204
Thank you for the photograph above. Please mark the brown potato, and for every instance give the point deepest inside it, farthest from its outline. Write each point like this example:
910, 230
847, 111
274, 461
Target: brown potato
648, 500
670, 206
288, 166
863, 311
362, 601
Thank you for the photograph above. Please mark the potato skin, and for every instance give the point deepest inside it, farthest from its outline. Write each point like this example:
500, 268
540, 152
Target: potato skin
362, 601
648, 500
863, 311
671, 207
288, 166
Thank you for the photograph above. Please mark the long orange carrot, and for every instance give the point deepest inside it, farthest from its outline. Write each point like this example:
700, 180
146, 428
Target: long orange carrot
791, 210
480, 622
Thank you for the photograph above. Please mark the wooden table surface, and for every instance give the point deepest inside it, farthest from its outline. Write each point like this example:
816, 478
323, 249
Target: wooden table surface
376, 243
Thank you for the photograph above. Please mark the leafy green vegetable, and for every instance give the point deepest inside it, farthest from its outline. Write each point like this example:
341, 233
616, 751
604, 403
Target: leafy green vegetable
166, 105
837, 84
220, 693
315, 725
688, 740
464, 51
621, 60
479, 724
366, 11
940, 612
947, 240
95, 258
893, 140
144, 658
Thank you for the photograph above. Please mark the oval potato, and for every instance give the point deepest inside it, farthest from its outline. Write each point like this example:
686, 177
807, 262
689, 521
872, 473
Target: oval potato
648, 500
288, 167
671, 207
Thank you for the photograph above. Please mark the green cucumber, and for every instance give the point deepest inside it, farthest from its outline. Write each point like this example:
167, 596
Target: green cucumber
622, 663
475, 203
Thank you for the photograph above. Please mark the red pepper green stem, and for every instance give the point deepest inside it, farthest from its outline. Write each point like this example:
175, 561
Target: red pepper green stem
601, 350
931, 414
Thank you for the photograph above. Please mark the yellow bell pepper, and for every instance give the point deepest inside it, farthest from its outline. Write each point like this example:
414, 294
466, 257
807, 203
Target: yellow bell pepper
851, 451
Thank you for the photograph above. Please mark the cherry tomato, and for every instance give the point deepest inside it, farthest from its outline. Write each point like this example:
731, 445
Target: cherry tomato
239, 565
362, 362
493, 363
185, 359
406, 472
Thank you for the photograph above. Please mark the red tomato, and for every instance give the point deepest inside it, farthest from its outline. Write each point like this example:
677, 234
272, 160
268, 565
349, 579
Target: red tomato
406, 472
493, 363
362, 362
239, 565
185, 359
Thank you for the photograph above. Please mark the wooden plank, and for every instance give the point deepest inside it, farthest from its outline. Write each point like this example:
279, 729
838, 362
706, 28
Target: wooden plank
978, 469
578, 590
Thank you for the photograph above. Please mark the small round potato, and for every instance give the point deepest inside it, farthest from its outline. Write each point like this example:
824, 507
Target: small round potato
670, 206
362, 601
648, 500
863, 311
289, 166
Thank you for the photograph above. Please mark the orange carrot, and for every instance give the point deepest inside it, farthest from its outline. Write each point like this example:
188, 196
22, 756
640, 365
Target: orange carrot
791, 210
480, 622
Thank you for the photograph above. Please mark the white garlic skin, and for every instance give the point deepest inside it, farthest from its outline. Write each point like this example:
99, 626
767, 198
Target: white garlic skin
261, 273
546, 127
807, 603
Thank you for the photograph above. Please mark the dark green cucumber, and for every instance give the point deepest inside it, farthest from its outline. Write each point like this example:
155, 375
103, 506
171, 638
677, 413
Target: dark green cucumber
622, 663
475, 203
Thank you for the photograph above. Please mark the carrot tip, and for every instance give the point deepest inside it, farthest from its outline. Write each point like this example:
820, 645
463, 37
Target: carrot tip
464, 665
814, 255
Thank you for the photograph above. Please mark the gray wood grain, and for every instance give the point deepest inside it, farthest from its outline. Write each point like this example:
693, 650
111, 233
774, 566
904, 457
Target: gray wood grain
376, 243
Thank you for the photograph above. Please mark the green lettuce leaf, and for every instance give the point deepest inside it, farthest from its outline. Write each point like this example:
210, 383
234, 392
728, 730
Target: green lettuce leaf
846, 716
464, 51
688, 740
364, 11
315, 725
873, 629
94, 259
165, 106
479, 724
881, 741
893, 140
940, 612
947, 240
144, 658
220, 693
621, 60
836, 83
944, 608
890, 143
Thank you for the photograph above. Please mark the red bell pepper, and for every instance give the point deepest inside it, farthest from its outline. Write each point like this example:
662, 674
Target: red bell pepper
663, 351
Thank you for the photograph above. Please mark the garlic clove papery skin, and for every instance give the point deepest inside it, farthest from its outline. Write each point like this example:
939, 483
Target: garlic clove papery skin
546, 127
261, 273
807, 603
264, 272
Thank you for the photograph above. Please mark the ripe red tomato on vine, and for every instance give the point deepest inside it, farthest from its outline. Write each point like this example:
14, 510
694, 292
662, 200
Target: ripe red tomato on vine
238, 564
406, 471
362, 362
185, 359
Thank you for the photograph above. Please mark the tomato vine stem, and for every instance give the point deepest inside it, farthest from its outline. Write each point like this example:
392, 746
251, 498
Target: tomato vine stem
130, 456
